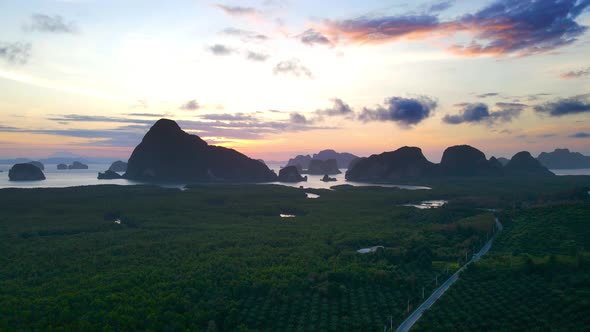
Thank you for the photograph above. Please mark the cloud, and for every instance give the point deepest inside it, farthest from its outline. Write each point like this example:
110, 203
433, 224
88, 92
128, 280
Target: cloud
96, 118
238, 10
507, 112
255, 56
340, 108
293, 67
221, 50
311, 37
580, 135
405, 111
471, 113
125, 136
480, 113
228, 117
489, 94
141, 103
15, 53
504, 27
522, 27
190, 105
54, 24
298, 118
146, 115
371, 30
441, 6
566, 106
226, 125
537, 96
576, 74
245, 35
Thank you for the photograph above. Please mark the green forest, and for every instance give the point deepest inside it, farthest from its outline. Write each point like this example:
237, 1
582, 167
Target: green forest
220, 257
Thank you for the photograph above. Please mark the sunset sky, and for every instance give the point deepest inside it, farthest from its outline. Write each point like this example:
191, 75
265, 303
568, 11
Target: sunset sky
278, 78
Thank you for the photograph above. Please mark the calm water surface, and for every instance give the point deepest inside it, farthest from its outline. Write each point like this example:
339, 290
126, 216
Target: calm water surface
87, 177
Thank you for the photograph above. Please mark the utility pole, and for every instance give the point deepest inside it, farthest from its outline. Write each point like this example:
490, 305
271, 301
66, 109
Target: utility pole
391, 323
436, 278
408, 311
422, 292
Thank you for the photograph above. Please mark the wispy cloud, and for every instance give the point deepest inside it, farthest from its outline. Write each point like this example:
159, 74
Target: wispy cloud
255, 56
221, 50
292, 67
339, 108
15, 53
191, 105
441, 6
245, 35
311, 37
47, 23
129, 130
238, 10
486, 95
576, 74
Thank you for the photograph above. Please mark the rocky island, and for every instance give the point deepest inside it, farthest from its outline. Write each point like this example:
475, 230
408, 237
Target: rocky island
320, 167
401, 163
109, 175
465, 160
291, 174
457, 161
167, 153
118, 166
77, 165
25, 172
327, 178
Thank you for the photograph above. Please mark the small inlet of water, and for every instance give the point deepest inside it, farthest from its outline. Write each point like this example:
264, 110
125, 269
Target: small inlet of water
369, 250
428, 204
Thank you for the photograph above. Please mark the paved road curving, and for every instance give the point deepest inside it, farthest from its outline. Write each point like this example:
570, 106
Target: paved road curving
407, 324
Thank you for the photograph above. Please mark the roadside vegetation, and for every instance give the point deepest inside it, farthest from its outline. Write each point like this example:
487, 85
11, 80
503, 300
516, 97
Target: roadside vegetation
537, 276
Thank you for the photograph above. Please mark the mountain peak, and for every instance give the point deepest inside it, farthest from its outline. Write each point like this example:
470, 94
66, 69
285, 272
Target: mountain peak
523, 163
166, 126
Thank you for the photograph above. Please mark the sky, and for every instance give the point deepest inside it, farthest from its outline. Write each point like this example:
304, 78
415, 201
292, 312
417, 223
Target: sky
274, 78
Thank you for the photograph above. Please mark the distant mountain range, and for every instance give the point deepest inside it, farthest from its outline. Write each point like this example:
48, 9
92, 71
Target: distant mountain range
343, 159
61, 158
564, 159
